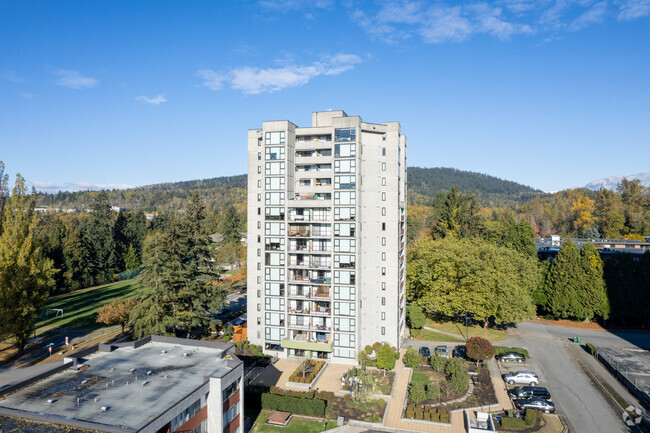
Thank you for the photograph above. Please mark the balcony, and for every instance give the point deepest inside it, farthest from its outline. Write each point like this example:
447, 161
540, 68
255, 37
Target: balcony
317, 345
302, 232
321, 292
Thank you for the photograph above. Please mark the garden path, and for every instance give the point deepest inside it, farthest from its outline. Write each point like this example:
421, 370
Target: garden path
330, 379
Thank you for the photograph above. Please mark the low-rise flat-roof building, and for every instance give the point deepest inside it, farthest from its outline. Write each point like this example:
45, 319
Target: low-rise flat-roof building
156, 384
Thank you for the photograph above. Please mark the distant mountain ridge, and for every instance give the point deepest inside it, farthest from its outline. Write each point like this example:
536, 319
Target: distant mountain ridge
218, 192
612, 182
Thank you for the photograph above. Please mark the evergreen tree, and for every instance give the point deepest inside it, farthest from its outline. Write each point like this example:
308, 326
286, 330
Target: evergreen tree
25, 275
180, 277
4, 191
564, 282
593, 296
518, 236
120, 241
99, 241
458, 217
609, 214
131, 260
230, 226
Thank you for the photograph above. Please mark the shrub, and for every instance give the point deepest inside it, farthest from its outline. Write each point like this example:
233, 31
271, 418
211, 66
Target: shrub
479, 349
374, 418
438, 363
456, 370
368, 349
531, 417
433, 392
415, 317
591, 349
418, 415
417, 393
503, 349
412, 358
376, 346
410, 411
312, 407
427, 416
325, 395
513, 423
385, 357
444, 416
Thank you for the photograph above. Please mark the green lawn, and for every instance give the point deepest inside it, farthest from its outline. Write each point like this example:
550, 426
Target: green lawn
80, 307
296, 425
426, 335
419, 378
474, 330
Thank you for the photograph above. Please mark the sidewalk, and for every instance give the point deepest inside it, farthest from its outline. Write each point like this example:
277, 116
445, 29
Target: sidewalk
500, 388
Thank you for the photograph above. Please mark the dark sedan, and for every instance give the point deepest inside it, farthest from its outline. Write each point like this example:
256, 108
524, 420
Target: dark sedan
510, 357
536, 403
459, 352
424, 351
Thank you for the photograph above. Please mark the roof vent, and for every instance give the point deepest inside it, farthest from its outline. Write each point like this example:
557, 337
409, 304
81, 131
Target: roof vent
163, 351
132, 370
149, 373
51, 401
185, 354
104, 408
83, 382
145, 382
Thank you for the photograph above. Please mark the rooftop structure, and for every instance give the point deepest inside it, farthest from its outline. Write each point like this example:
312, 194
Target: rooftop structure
553, 243
154, 384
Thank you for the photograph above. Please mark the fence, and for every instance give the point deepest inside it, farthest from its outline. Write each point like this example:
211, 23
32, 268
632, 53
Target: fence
637, 387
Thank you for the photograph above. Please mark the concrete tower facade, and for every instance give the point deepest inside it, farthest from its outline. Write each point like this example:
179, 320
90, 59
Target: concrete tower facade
326, 236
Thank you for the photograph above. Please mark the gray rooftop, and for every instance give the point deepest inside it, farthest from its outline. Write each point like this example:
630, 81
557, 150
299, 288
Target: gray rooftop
115, 380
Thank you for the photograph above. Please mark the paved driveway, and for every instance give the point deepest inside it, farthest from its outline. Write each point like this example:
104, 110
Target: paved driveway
574, 394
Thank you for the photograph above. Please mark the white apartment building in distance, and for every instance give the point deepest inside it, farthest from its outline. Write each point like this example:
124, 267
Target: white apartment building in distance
326, 236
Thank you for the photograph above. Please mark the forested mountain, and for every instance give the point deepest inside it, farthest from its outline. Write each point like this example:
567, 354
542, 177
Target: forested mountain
424, 183
219, 192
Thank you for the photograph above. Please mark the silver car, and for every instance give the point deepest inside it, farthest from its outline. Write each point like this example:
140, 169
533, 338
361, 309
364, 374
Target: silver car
521, 377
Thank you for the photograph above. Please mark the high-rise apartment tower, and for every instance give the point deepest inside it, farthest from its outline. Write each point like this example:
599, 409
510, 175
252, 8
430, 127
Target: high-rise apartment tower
326, 236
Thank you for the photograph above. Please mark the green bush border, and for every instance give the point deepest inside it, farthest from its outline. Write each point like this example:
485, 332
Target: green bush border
591, 349
302, 406
503, 349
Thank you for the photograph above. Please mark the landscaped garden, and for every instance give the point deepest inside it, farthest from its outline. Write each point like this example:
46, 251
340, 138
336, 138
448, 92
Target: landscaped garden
379, 382
307, 371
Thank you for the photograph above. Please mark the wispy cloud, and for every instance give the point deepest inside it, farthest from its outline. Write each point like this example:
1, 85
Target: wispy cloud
253, 80
447, 21
12, 76
27, 95
74, 80
633, 9
286, 5
51, 187
156, 100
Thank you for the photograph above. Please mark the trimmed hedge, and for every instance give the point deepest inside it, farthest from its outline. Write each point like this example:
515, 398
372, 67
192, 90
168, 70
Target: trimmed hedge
531, 417
427, 413
316, 367
315, 407
503, 349
591, 349
513, 423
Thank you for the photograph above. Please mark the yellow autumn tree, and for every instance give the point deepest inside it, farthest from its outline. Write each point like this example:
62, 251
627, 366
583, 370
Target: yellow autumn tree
583, 217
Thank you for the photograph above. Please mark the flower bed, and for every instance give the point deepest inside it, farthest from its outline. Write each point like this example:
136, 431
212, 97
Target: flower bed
371, 410
310, 368
382, 383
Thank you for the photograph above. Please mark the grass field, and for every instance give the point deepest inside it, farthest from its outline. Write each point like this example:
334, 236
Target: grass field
427, 335
474, 330
296, 425
80, 307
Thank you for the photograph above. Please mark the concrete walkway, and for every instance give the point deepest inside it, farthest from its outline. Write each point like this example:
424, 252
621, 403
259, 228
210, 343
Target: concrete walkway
500, 388
330, 380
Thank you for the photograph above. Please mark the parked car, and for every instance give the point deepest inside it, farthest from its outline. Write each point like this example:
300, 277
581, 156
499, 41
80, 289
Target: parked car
459, 351
523, 377
524, 392
441, 351
536, 403
510, 357
425, 351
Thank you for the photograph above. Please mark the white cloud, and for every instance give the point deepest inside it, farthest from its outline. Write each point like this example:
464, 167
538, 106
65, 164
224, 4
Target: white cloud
446, 21
253, 80
74, 80
51, 187
633, 9
592, 16
211, 79
12, 76
156, 100
286, 5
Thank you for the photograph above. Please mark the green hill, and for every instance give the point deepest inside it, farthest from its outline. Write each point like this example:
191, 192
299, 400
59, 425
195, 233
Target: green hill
424, 183
220, 192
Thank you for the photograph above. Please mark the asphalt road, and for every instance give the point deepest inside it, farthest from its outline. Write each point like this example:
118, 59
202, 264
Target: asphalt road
575, 396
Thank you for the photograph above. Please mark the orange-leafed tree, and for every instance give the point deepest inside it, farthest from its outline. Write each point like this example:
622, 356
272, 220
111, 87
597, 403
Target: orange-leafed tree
116, 312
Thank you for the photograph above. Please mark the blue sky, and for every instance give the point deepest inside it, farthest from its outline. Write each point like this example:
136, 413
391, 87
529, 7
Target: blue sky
548, 93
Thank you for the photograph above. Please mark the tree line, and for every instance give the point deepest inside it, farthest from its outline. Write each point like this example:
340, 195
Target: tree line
469, 259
